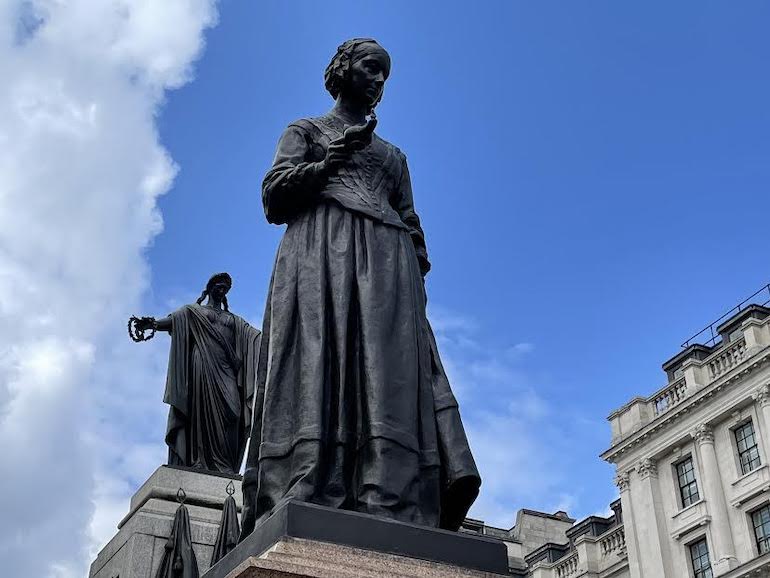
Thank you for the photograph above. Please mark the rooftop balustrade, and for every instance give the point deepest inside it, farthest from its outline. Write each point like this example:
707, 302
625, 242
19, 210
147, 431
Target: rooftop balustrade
741, 337
595, 554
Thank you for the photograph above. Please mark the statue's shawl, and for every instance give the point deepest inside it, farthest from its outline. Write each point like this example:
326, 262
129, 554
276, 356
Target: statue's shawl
189, 324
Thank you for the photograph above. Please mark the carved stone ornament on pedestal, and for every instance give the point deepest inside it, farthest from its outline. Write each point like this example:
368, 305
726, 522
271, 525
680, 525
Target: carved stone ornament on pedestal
136, 551
179, 559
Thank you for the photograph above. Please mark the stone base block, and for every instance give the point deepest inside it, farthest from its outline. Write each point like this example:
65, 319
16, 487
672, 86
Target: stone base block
301, 539
294, 557
137, 548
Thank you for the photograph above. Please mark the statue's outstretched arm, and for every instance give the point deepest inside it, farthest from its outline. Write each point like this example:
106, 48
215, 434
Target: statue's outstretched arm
145, 323
138, 325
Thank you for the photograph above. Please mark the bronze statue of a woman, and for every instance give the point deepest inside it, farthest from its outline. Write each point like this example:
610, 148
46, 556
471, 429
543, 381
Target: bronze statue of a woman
210, 381
353, 409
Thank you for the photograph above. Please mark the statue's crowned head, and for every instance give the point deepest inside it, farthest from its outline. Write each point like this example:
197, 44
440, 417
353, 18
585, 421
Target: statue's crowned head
219, 279
360, 67
218, 285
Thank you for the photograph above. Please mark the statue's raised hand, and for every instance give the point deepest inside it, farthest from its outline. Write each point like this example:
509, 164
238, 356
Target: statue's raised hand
359, 136
137, 327
355, 138
337, 155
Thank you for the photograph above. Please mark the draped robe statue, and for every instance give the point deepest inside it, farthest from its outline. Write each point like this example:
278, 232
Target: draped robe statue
210, 386
210, 382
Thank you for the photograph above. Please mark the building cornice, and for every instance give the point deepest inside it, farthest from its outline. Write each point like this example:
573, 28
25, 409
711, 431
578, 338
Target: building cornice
666, 420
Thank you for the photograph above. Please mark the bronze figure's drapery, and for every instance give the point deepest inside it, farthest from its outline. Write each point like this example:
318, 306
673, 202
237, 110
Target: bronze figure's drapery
210, 382
353, 408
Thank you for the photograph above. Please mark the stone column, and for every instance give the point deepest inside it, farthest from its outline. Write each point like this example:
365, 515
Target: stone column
762, 399
623, 482
722, 548
650, 527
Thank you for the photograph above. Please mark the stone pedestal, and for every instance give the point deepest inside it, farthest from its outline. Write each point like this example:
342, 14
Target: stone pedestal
137, 548
306, 540
293, 557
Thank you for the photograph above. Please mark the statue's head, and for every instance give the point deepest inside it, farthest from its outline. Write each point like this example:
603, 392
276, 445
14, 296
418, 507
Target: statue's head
217, 287
358, 71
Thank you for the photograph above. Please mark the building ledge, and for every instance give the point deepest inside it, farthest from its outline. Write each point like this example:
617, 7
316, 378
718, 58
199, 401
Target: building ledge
663, 420
688, 519
750, 485
741, 345
752, 569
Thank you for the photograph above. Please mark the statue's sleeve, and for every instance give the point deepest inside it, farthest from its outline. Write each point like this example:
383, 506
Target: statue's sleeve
293, 182
176, 393
404, 205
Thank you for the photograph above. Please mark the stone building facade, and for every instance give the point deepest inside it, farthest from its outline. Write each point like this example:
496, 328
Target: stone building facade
692, 473
542, 545
691, 459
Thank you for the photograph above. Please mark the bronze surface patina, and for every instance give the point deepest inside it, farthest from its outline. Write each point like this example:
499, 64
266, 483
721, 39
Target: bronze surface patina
353, 409
210, 381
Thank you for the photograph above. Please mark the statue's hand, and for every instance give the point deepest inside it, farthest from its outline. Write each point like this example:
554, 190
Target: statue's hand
337, 155
145, 323
138, 325
355, 138
359, 136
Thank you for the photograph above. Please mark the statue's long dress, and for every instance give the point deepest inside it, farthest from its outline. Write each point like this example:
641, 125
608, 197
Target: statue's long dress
356, 409
210, 388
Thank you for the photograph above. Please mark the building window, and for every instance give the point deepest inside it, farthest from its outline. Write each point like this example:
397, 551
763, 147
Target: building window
748, 452
699, 555
688, 487
761, 520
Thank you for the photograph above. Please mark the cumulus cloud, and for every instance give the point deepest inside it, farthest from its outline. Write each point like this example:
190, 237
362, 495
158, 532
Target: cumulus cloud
81, 168
520, 440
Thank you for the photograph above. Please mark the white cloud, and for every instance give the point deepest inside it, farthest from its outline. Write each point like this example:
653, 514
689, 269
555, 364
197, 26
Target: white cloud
521, 349
81, 168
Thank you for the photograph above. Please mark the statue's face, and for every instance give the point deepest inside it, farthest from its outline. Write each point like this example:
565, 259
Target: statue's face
219, 290
367, 76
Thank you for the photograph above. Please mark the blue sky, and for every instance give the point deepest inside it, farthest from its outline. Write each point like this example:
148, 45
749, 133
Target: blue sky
592, 179
591, 176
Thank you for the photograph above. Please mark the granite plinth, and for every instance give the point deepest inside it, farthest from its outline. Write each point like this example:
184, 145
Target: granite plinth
297, 558
137, 549
324, 542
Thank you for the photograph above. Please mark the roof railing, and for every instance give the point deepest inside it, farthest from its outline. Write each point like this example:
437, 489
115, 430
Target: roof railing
762, 294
